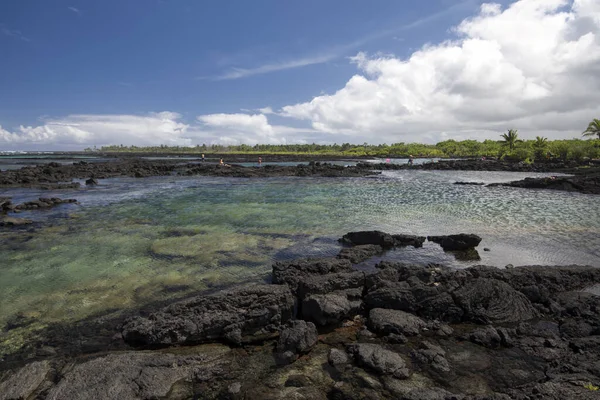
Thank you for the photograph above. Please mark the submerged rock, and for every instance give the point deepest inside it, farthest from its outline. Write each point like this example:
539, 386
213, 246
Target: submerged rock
237, 315
12, 221
43, 202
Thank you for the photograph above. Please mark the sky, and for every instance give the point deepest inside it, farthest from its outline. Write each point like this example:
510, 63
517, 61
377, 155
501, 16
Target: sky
83, 73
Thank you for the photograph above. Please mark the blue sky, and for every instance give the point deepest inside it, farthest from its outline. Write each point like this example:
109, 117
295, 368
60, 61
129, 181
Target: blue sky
63, 59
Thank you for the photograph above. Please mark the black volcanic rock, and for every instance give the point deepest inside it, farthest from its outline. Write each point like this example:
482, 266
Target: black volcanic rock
385, 240
462, 241
236, 315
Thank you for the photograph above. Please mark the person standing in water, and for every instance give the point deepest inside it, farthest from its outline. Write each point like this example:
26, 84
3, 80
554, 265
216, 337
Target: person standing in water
410, 160
221, 162
202, 157
259, 161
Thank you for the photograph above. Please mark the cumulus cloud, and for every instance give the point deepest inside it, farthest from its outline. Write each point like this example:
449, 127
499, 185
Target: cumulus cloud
247, 129
534, 66
77, 131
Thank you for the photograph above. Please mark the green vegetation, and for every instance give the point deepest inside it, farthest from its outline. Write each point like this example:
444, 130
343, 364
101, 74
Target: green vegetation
513, 148
511, 138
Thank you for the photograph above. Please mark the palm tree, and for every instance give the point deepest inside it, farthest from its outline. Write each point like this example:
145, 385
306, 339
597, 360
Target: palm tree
540, 142
511, 138
593, 128
539, 146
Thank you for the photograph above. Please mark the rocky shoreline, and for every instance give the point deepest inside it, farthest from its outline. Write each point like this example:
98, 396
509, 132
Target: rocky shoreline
323, 330
586, 179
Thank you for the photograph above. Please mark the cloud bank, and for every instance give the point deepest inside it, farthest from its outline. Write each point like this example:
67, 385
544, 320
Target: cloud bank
78, 131
533, 66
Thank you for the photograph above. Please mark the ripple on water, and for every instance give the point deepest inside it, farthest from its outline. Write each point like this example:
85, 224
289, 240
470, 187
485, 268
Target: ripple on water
138, 240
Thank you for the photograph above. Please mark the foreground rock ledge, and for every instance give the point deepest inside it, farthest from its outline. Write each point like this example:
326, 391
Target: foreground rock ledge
410, 332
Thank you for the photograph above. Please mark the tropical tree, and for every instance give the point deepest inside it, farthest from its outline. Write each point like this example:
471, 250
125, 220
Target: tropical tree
539, 146
511, 138
593, 128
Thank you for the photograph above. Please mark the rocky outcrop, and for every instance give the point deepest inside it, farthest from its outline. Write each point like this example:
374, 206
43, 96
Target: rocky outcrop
460, 242
236, 316
588, 183
299, 337
59, 176
292, 272
385, 321
380, 360
520, 333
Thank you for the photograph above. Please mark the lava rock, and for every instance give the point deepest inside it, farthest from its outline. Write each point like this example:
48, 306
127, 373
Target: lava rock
395, 322
292, 272
360, 253
299, 337
380, 360
493, 301
237, 315
462, 241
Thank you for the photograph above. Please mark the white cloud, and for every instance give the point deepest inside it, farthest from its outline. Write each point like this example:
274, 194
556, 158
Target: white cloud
237, 73
247, 129
75, 10
534, 62
78, 131
13, 33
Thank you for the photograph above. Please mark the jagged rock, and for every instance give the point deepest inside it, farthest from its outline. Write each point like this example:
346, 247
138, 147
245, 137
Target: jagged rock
492, 301
292, 272
324, 284
337, 357
379, 238
408, 240
432, 355
431, 394
385, 240
575, 328
360, 253
547, 280
237, 315
91, 182
24, 383
395, 322
378, 359
299, 337
138, 375
332, 308
487, 337
462, 241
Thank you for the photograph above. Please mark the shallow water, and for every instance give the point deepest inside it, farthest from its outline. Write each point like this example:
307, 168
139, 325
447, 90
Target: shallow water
133, 241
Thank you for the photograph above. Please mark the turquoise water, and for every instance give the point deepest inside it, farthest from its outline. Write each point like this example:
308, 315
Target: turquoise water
133, 241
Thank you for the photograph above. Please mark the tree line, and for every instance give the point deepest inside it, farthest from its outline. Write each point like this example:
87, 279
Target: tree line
510, 147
